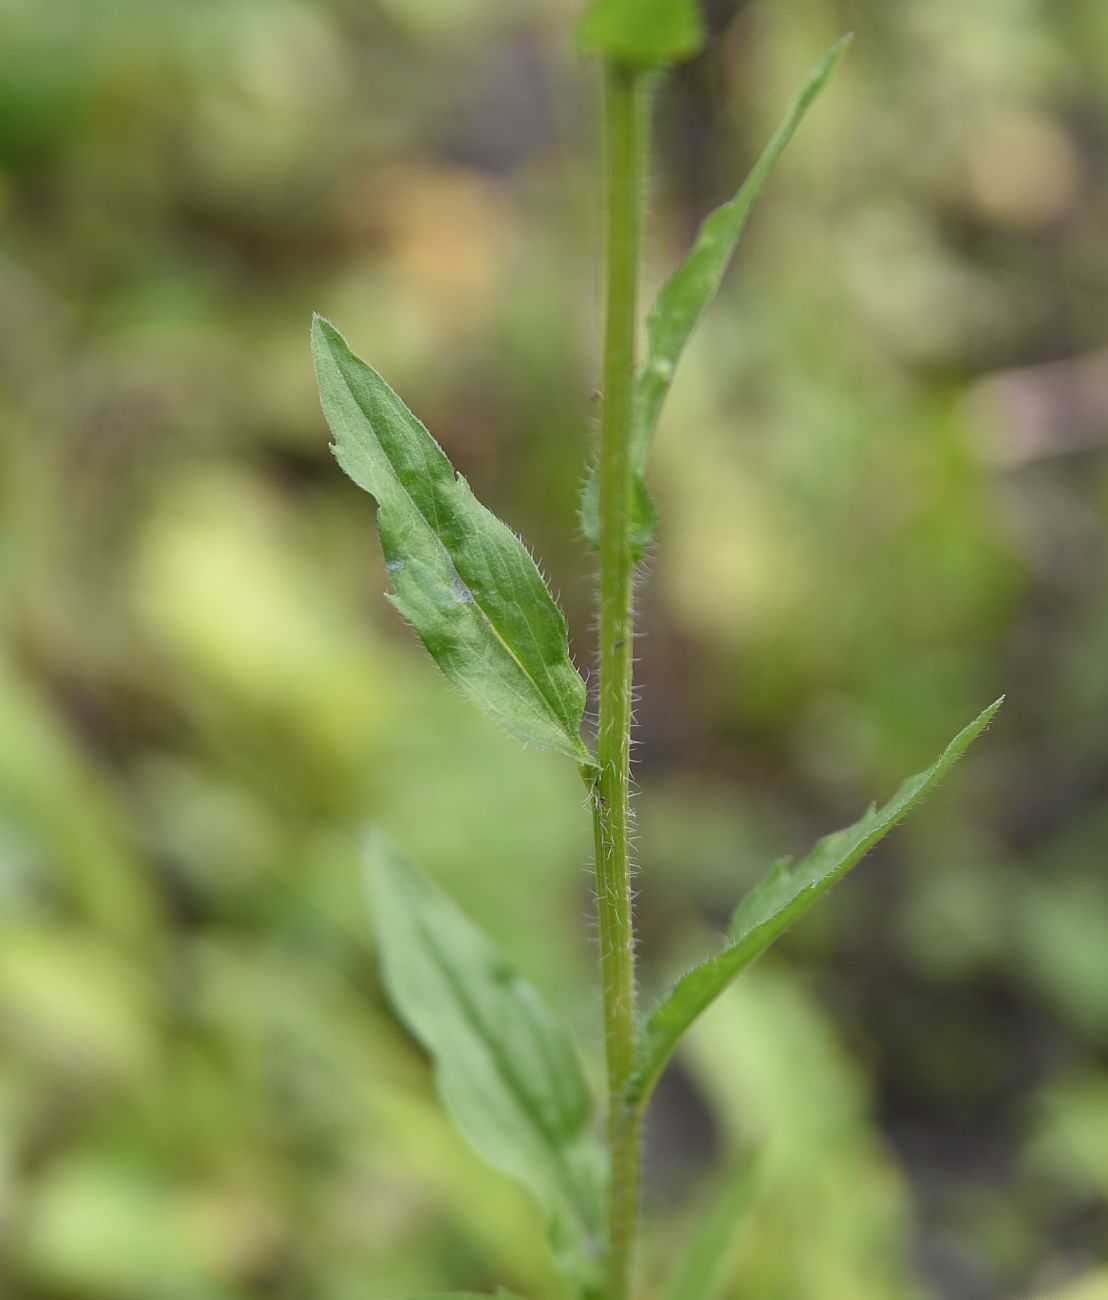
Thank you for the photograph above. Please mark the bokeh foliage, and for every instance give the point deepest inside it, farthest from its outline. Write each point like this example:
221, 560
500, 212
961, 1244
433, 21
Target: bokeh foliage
888, 449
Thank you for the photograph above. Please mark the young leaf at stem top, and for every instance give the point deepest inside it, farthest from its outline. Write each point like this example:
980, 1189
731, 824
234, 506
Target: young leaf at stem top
506, 1068
685, 297
687, 293
464, 581
772, 906
642, 33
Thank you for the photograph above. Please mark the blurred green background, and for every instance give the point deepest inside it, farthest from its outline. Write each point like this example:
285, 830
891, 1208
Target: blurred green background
883, 492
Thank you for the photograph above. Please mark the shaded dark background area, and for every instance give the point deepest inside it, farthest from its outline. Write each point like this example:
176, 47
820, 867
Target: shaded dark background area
883, 492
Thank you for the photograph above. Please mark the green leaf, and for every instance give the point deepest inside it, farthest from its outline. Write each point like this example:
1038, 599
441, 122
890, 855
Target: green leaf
506, 1068
688, 292
701, 1273
683, 300
642, 33
772, 906
464, 581
462, 1295
643, 518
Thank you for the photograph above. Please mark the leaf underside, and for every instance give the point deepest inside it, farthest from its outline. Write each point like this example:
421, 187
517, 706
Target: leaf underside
464, 581
506, 1068
686, 296
774, 904
642, 33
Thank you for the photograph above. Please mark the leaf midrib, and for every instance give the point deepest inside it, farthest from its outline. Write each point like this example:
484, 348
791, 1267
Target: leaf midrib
567, 1183
435, 529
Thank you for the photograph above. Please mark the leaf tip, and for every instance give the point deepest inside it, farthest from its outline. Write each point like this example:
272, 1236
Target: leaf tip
994, 708
828, 63
991, 712
323, 330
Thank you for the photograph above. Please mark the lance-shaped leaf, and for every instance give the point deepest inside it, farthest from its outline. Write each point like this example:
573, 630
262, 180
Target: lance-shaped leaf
642, 33
464, 581
506, 1068
687, 293
685, 297
772, 906
463, 1295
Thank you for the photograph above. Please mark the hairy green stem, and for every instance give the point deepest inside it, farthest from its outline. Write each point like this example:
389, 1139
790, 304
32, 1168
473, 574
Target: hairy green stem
625, 127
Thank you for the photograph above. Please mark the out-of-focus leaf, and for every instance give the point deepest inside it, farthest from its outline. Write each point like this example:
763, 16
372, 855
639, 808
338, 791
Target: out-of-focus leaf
642, 33
463, 579
75, 835
773, 1073
702, 1270
1061, 921
463, 1295
507, 1069
101, 1229
1089, 1286
1070, 1137
772, 906
75, 1005
683, 300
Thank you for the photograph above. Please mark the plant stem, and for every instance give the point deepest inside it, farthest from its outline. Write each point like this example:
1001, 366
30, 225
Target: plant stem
625, 126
